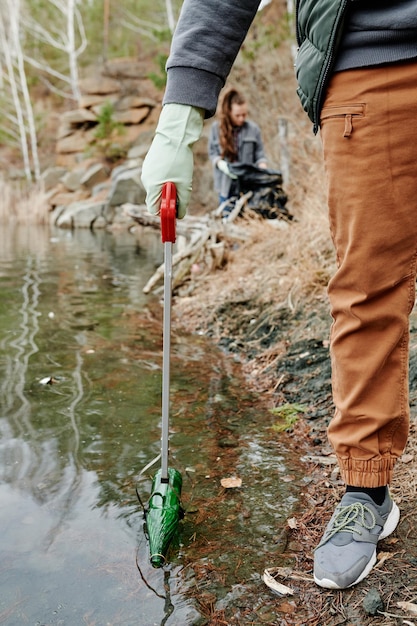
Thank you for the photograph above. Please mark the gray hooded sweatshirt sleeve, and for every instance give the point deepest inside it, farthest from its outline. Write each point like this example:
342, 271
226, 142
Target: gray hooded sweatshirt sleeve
206, 42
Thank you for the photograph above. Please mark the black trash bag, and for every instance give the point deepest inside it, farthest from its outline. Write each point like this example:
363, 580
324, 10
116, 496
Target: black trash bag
268, 198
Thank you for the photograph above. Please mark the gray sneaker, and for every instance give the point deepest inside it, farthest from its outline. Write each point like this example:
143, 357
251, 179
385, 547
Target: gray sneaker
347, 551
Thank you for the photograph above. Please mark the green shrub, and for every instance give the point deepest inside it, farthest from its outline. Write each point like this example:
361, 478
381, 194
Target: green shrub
288, 415
106, 133
159, 79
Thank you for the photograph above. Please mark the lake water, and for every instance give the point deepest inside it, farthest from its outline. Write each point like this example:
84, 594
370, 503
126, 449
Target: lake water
80, 358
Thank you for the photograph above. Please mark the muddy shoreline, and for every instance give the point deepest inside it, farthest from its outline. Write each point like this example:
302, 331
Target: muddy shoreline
285, 357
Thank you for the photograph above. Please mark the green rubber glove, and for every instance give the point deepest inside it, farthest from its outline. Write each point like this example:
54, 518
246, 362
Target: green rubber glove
170, 157
223, 167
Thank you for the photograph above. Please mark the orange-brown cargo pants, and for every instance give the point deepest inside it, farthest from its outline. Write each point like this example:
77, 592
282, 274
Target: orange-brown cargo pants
369, 135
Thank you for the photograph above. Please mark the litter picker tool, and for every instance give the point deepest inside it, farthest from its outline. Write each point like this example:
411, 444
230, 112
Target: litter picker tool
164, 506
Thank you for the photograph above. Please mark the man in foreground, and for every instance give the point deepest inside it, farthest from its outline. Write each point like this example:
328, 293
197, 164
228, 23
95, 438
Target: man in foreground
356, 69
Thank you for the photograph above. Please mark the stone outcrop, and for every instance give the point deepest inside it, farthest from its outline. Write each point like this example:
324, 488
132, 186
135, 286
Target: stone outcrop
81, 131
97, 167
93, 196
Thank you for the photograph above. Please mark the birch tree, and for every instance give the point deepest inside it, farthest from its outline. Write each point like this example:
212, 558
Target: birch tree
170, 15
65, 33
13, 79
151, 29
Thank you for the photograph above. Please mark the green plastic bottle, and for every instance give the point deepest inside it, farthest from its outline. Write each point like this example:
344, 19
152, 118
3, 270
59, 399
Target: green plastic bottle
163, 515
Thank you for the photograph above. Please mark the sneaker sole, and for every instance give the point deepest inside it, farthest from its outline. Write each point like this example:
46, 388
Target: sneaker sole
389, 527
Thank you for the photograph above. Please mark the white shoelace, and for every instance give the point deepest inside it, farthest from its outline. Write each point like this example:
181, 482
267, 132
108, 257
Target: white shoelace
347, 520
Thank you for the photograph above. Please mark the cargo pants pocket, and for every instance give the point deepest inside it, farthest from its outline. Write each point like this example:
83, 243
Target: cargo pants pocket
346, 113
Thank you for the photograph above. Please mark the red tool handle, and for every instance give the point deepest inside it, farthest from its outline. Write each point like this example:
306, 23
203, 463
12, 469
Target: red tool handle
168, 212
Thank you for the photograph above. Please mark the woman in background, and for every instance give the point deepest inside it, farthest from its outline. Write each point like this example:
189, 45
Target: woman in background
233, 139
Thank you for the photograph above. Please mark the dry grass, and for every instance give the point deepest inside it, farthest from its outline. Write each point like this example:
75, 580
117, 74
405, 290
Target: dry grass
22, 205
281, 266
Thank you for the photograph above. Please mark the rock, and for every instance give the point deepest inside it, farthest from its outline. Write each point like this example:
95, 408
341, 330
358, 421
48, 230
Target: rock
130, 133
134, 102
75, 142
81, 215
87, 101
101, 190
127, 116
64, 130
127, 68
51, 177
100, 85
72, 180
78, 117
54, 215
138, 152
69, 160
71, 143
127, 187
95, 174
100, 222
131, 116
372, 602
144, 139
117, 216
65, 199
131, 164
51, 193
151, 121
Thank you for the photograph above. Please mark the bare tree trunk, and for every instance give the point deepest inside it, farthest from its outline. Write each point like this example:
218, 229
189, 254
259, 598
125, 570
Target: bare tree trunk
13, 80
6, 53
72, 52
67, 26
170, 15
14, 5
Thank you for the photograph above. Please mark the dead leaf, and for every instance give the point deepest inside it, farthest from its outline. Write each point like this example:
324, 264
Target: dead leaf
384, 556
288, 479
321, 460
392, 540
231, 483
286, 607
410, 607
292, 523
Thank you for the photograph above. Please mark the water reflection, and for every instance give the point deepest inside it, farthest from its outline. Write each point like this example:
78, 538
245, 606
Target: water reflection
80, 359
68, 439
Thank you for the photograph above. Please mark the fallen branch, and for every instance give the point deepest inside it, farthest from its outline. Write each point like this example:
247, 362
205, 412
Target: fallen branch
187, 224
235, 212
190, 250
206, 236
271, 575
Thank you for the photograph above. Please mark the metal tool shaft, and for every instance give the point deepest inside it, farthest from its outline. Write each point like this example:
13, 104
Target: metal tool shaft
166, 358
168, 215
